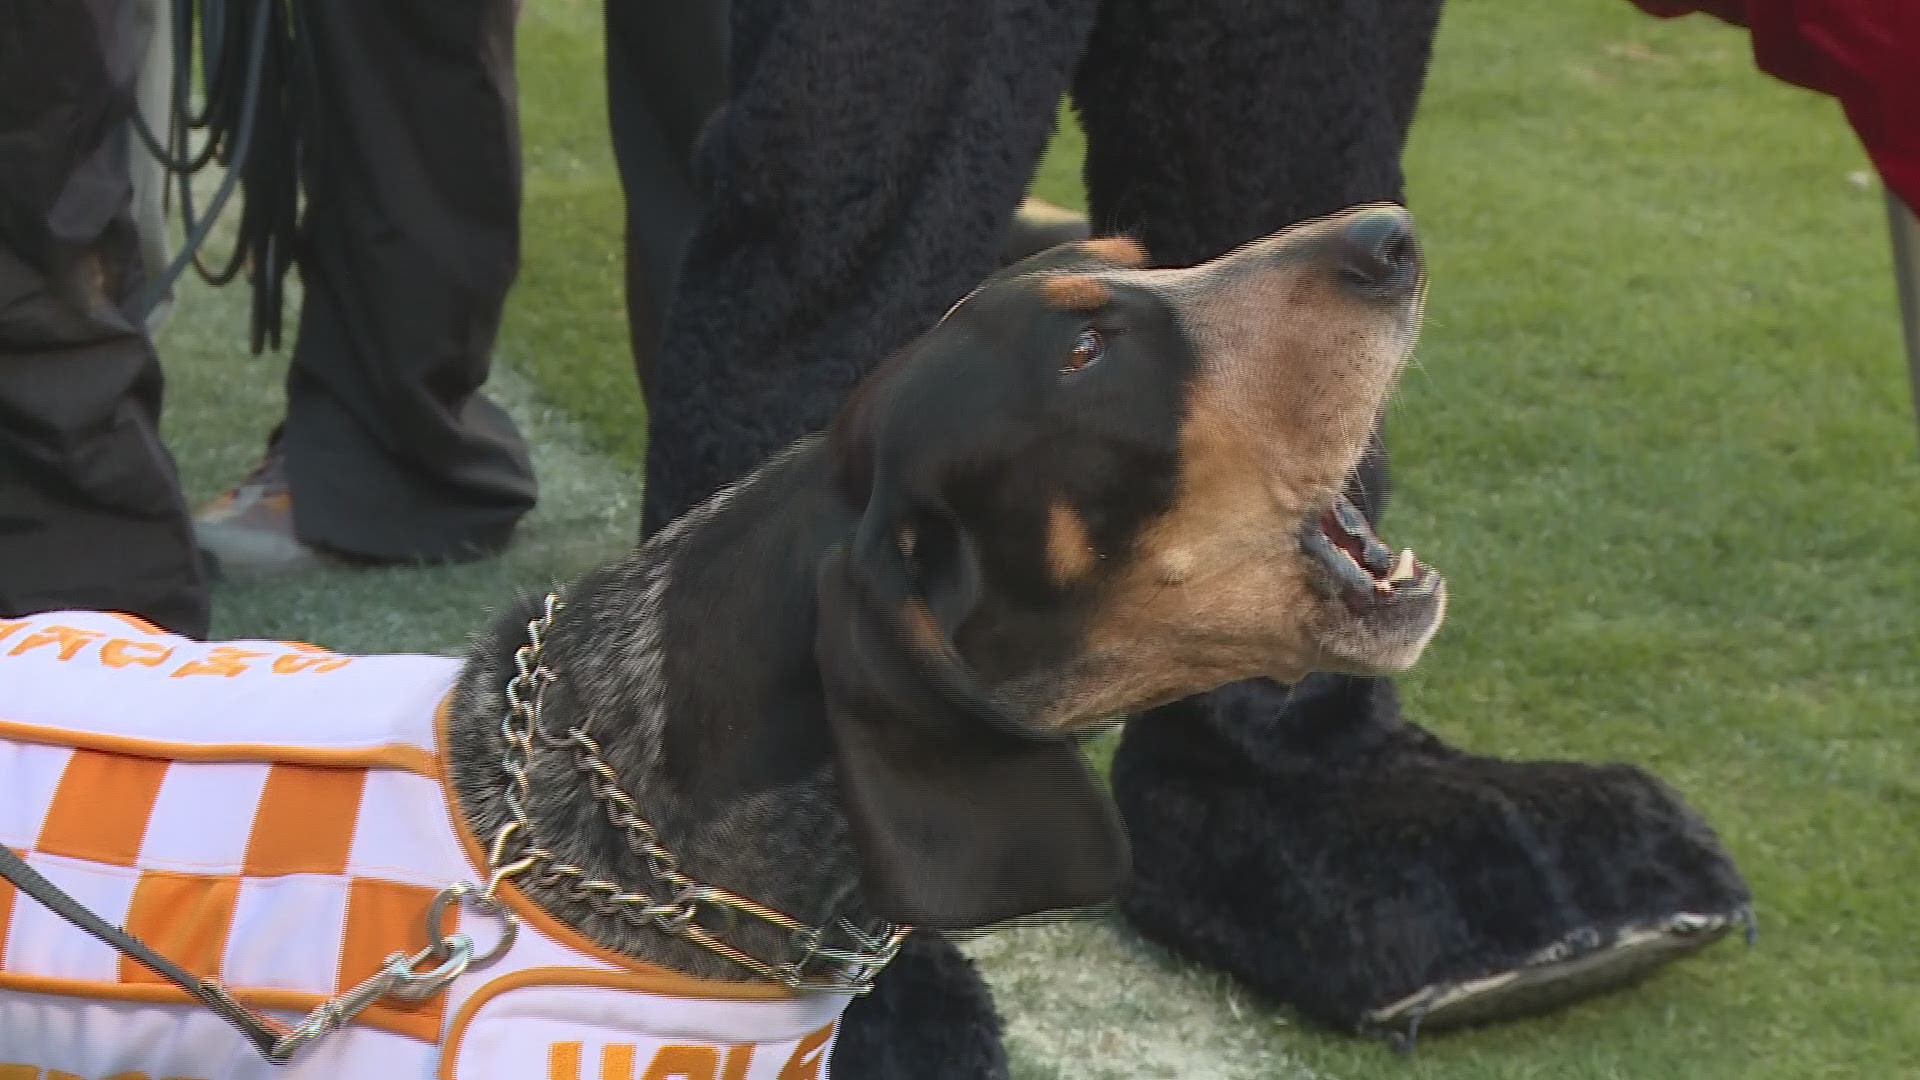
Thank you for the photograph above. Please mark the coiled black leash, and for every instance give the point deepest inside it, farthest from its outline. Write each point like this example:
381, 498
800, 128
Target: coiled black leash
254, 74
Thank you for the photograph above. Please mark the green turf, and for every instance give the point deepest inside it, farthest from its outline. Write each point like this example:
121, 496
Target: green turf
1659, 439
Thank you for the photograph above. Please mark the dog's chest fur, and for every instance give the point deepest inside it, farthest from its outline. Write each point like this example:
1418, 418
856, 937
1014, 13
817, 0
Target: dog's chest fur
690, 663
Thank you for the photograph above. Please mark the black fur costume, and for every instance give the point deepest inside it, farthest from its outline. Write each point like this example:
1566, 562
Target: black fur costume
857, 183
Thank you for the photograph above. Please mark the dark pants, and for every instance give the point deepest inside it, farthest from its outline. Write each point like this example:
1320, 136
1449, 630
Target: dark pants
90, 508
666, 78
409, 244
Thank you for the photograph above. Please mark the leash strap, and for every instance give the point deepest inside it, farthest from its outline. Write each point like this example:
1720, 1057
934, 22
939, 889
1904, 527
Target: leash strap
262, 1032
401, 977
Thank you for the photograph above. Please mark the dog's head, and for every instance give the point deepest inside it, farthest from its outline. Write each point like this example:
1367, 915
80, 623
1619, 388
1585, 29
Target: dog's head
1093, 488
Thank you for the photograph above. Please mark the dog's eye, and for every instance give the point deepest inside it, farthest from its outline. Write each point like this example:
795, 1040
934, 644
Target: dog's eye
1087, 350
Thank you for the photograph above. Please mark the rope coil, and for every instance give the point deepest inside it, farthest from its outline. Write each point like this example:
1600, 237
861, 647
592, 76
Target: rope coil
256, 74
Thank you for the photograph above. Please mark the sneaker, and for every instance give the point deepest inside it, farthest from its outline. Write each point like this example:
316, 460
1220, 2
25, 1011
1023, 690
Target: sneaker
247, 533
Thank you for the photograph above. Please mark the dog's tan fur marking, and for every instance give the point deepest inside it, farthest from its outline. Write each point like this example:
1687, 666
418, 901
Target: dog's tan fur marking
1076, 293
1119, 250
1312, 364
1215, 588
1070, 551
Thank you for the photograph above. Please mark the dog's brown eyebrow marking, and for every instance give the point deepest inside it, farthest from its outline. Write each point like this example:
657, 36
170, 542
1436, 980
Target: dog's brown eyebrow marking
1076, 293
1121, 250
1070, 551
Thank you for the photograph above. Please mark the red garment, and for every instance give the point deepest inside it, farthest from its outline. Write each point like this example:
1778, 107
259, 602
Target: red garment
1864, 52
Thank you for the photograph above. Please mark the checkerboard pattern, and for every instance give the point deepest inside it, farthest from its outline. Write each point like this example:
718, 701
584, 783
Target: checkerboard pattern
288, 878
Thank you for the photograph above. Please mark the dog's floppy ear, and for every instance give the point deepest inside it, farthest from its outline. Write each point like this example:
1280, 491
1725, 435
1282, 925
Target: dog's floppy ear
963, 815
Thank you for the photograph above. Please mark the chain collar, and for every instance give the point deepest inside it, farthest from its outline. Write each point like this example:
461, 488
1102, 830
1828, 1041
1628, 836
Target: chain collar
676, 905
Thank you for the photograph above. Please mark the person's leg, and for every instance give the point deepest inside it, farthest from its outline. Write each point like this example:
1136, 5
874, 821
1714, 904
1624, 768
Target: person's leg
91, 514
1308, 839
409, 244
666, 77
859, 179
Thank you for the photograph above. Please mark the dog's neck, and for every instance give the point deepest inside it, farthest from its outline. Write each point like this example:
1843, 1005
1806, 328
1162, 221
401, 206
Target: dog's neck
691, 663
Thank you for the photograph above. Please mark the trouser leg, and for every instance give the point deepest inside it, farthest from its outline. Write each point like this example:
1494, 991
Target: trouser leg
666, 77
91, 514
409, 244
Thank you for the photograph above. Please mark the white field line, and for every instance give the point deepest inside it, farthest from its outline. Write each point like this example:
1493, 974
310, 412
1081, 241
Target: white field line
1088, 1000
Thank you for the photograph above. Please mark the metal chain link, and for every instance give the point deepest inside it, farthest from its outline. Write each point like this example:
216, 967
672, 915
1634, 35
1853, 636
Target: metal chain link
676, 911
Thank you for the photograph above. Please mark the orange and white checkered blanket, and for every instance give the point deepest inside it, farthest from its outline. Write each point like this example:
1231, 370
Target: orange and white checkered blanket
272, 815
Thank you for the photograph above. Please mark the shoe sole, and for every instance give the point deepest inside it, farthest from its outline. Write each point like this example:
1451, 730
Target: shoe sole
251, 555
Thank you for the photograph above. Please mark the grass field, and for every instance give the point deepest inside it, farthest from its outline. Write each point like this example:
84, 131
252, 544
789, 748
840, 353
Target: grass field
1659, 439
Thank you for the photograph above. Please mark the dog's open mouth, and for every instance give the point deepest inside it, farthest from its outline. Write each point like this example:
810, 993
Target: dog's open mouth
1365, 572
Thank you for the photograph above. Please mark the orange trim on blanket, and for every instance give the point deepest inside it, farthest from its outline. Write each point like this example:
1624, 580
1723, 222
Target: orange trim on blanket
305, 821
401, 756
644, 976
654, 980
409, 1023
100, 809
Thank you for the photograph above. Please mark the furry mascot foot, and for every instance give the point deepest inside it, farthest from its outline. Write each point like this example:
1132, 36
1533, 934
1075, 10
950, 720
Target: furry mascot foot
1348, 863
929, 1017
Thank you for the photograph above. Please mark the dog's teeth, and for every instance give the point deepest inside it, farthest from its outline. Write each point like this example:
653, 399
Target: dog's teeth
1406, 569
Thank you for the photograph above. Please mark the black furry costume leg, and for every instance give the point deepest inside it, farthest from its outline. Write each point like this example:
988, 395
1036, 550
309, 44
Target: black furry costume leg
1309, 839
858, 182
1338, 858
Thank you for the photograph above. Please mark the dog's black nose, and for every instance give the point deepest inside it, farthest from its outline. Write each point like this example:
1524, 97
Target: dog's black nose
1377, 252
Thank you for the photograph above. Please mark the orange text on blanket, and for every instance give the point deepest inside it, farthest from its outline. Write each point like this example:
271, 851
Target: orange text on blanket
681, 1061
70, 643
